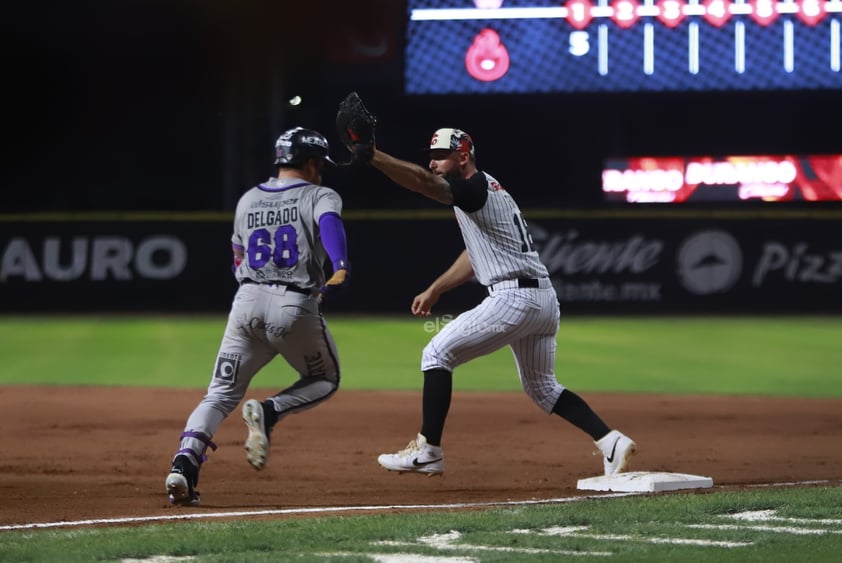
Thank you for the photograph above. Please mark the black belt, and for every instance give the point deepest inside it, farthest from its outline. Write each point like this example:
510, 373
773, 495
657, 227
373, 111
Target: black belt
520, 283
527, 282
289, 286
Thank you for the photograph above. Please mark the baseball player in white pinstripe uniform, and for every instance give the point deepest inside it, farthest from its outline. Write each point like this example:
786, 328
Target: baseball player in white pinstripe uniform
284, 230
521, 310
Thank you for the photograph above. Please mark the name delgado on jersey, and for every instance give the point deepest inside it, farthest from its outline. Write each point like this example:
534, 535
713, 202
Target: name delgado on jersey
272, 217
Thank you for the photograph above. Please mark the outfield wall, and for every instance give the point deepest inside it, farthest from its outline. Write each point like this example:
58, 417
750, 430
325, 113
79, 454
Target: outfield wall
601, 262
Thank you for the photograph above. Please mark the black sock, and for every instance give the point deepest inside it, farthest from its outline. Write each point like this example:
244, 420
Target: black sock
270, 415
572, 408
438, 389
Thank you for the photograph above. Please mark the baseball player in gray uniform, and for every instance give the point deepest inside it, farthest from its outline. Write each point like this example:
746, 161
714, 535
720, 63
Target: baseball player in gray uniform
521, 310
284, 230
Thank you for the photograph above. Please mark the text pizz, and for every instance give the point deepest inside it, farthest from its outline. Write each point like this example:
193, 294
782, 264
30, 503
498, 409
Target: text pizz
797, 264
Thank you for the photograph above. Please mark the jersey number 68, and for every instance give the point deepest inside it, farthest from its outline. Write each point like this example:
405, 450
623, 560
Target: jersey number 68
280, 247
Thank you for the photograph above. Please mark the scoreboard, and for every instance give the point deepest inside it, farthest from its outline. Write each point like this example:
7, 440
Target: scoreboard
535, 46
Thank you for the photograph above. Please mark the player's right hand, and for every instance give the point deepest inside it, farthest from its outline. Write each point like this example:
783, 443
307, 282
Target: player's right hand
423, 303
337, 281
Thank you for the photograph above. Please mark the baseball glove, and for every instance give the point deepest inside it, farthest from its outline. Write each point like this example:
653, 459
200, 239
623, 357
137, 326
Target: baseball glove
355, 125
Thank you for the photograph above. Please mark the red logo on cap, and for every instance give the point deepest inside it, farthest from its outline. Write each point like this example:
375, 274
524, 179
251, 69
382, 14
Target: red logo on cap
465, 143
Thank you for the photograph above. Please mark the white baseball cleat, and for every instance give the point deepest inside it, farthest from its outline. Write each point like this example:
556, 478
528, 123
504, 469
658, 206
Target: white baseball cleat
417, 457
257, 441
616, 449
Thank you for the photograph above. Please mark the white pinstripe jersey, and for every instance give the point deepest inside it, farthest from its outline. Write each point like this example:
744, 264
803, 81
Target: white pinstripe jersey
498, 240
277, 224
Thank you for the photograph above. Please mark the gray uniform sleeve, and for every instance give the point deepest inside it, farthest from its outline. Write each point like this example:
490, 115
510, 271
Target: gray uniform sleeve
327, 201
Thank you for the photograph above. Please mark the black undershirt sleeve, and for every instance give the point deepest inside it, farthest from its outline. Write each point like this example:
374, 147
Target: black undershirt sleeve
469, 194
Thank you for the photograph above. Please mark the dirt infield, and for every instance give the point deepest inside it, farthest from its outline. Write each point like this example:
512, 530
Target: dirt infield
90, 453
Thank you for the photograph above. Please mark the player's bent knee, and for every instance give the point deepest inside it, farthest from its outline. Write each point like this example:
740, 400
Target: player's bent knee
432, 358
544, 398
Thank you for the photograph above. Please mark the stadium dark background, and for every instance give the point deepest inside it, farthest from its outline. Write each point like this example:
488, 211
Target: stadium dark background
175, 105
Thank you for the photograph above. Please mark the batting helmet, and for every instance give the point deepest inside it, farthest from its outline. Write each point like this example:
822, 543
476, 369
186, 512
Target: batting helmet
296, 145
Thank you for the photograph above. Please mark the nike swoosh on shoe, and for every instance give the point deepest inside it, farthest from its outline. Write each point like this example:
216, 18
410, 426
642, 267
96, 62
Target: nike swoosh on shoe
610, 458
417, 463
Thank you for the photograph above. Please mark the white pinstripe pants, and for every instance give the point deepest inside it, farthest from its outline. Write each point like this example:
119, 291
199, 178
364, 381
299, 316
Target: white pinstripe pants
524, 319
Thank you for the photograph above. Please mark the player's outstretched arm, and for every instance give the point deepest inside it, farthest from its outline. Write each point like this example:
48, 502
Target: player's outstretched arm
413, 177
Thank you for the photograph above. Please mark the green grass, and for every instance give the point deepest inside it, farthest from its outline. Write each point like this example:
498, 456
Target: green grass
805, 525
783, 356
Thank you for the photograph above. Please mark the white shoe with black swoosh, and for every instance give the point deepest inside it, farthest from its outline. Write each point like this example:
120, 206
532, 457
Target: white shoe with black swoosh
616, 449
417, 457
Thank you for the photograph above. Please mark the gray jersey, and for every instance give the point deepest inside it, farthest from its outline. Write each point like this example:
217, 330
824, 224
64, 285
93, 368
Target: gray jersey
277, 225
497, 239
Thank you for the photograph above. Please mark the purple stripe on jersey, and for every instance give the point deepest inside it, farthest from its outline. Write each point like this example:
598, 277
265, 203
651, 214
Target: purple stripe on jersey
238, 247
333, 238
267, 189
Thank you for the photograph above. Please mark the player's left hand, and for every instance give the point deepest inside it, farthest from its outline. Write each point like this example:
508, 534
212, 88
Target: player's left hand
338, 281
355, 126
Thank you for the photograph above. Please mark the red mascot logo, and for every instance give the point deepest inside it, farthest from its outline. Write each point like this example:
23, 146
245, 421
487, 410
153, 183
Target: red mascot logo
487, 58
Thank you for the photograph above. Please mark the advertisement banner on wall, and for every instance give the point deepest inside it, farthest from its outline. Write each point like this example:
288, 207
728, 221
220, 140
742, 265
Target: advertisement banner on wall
597, 265
768, 178
693, 265
103, 266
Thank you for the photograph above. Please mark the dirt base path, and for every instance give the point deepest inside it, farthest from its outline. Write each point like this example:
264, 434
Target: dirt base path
93, 452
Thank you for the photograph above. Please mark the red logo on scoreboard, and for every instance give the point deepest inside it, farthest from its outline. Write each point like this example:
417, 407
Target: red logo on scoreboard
625, 13
579, 13
671, 12
487, 58
717, 12
763, 11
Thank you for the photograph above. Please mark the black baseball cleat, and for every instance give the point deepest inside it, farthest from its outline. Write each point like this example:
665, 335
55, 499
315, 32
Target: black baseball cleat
181, 482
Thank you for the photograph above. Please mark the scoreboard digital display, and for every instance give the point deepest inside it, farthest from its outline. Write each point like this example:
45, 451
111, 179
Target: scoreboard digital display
535, 46
722, 179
